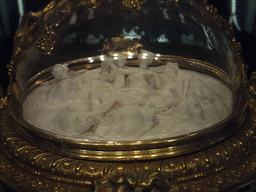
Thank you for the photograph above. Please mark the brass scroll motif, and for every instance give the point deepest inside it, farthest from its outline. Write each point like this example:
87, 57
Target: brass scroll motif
139, 181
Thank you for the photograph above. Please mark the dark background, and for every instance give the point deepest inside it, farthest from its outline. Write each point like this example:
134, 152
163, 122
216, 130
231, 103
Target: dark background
245, 33
9, 22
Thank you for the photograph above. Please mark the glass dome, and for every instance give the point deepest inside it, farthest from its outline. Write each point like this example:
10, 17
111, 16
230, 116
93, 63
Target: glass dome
79, 29
129, 63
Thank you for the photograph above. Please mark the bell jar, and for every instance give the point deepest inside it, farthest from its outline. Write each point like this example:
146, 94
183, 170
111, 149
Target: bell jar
121, 74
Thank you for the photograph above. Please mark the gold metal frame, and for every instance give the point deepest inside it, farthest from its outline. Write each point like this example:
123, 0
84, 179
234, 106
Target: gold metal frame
34, 161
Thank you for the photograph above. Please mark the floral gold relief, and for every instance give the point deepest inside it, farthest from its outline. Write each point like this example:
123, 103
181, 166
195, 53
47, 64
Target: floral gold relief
138, 180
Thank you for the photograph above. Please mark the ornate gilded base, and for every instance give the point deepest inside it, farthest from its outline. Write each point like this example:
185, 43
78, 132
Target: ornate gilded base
227, 165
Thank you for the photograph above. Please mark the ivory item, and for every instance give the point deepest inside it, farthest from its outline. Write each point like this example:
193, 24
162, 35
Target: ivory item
121, 103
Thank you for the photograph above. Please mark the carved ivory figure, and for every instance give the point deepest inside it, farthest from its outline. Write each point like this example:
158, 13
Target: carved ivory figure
121, 103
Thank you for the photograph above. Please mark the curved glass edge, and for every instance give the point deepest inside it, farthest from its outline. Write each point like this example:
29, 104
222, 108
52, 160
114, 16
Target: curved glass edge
186, 29
177, 145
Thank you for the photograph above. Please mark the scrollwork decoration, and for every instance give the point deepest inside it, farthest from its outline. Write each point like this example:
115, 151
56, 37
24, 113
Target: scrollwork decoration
139, 181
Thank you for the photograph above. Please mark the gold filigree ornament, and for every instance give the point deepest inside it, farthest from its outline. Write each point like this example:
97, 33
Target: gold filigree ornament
46, 42
219, 158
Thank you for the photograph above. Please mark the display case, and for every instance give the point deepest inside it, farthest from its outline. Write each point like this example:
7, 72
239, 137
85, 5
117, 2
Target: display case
127, 96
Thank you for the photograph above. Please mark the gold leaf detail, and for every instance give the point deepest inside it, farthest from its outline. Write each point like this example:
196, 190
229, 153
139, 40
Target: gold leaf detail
3, 102
122, 44
46, 41
133, 4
